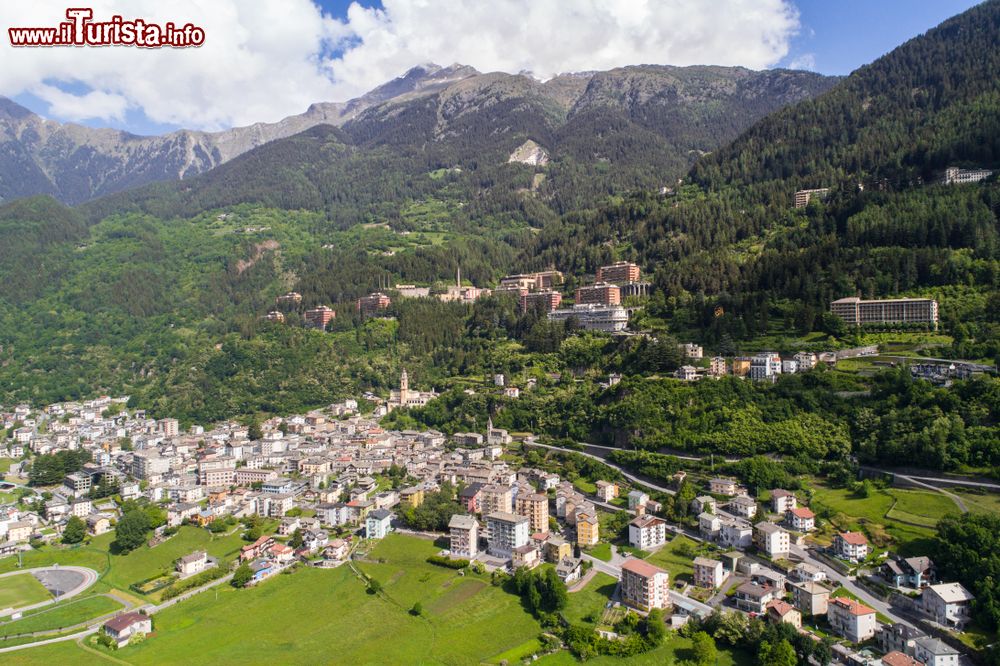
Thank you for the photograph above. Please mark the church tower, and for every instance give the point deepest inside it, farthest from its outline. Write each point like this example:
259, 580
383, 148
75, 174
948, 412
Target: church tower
404, 387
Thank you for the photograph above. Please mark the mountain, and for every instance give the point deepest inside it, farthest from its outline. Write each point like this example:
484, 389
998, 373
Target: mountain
692, 109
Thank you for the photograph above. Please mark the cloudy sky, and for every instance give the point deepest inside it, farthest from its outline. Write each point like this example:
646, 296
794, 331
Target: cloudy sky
266, 59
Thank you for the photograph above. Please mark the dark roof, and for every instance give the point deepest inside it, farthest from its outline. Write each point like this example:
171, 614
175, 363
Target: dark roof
380, 514
471, 490
120, 623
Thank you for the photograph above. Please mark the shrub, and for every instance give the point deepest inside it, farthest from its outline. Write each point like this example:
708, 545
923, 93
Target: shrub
442, 561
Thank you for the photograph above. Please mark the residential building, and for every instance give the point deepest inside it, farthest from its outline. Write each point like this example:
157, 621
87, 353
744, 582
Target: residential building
743, 506
686, 373
81, 507
934, 652
735, 534
851, 619
618, 272
556, 549
123, 627
771, 539
588, 529
896, 658
805, 361
77, 484
708, 573
810, 597
637, 498
606, 490
719, 486
464, 536
98, 524
372, 304
495, 498
601, 293
291, 298
319, 317
801, 519
948, 604
851, 546
753, 598
782, 501
709, 525
536, 507
897, 637
411, 497
593, 317
765, 367
275, 315
781, 611
569, 569
378, 523
691, 351
857, 312
915, 572
741, 367
544, 301
643, 585
717, 366
506, 531
704, 503
193, 563
803, 197
647, 532
147, 464
526, 556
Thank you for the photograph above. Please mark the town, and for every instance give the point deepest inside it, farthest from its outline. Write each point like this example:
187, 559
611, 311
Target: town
322, 489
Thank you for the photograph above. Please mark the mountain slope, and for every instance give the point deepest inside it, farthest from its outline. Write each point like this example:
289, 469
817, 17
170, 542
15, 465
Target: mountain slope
429, 103
930, 103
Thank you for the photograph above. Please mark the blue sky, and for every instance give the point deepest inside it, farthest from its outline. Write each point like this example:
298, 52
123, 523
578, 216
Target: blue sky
833, 37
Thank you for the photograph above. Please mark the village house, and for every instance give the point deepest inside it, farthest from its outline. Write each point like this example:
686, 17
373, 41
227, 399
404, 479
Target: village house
934, 652
771, 539
526, 556
782, 501
727, 487
896, 658
949, 604
637, 498
897, 637
123, 627
743, 506
709, 525
735, 533
606, 490
851, 619
704, 504
810, 597
801, 519
914, 572
569, 569
378, 523
851, 546
781, 611
753, 598
189, 565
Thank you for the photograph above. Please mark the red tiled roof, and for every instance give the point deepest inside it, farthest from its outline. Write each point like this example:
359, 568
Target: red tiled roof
121, 622
896, 658
641, 567
780, 607
802, 512
854, 538
852, 606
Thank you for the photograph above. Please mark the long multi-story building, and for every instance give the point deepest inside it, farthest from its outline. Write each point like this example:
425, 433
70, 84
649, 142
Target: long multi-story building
644, 586
291, 298
956, 176
803, 197
610, 319
857, 312
536, 507
372, 304
505, 532
464, 536
647, 532
546, 301
319, 317
541, 281
619, 272
601, 293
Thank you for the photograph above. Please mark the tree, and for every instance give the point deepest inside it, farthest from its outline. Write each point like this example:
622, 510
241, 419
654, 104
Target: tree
254, 431
131, 530
703, 647
779, 654
75, 530
242, 575
655, 628
296, 540
374, 587
417, 610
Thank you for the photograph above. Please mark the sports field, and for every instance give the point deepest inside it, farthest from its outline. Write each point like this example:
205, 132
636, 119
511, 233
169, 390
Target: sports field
22, 590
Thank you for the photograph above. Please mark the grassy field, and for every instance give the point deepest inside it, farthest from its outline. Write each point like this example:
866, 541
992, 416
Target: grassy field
900, 519
601, 551
23, 590
673, 650
590, 601
52, 618
670, 558
465, 619
584, 486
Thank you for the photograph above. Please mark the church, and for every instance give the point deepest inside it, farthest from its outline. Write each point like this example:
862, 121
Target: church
405, 398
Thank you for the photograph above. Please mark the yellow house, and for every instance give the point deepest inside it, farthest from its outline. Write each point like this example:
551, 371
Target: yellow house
556, 550
412, 497
587, 529
741, 367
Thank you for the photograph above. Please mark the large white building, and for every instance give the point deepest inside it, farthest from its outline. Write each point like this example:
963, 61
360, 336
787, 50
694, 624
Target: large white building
857, 312
956, 176
851, 619
505, 532
594, 317
647, 532
464, 536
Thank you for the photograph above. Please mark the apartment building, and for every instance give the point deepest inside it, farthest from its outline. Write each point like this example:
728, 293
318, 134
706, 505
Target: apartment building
495, 498
505, 532
544, 301
771, 539
803, 197
536, 507
588, 529
593, 317
708, 572
619, 272
851, 546
810, 597
601, 293
372, 304
643, 585
463, 536
646, 532
319, 317
851, 619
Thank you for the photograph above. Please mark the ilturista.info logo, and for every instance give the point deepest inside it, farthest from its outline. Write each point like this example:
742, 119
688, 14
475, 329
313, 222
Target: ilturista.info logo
82, 30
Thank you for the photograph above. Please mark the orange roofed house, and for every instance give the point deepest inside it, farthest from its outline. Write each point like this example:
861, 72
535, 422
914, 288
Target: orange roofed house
644, 586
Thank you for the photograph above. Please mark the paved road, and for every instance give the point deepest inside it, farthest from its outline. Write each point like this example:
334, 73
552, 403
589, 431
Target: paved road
127, 606
631, 477
71, 637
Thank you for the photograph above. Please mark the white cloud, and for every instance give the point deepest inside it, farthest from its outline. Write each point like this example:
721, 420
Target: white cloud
803, 61
261, 59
